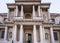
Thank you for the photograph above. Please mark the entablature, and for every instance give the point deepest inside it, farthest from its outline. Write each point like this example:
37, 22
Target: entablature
27, 0
47, 24
45, 5
27, 3
11, 5
28, 23
29, 20
2, 25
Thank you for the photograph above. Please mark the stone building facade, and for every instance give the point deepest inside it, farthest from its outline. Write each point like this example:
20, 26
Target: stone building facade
29, 21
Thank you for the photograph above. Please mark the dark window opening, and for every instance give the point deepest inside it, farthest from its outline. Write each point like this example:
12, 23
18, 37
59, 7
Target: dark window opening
36, 8
2, 35
55, 36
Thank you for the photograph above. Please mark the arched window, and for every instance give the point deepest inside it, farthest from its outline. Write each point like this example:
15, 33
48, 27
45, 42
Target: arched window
28, 16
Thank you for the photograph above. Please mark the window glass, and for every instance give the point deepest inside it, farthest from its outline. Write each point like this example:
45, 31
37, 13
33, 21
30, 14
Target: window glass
55, 36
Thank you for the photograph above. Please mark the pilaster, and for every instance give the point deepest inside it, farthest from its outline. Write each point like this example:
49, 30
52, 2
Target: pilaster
14, 33
52, 36
5, 36
34, 34
21, 33
41, 33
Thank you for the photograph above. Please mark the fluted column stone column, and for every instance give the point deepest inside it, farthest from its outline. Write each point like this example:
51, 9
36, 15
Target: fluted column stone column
34, 33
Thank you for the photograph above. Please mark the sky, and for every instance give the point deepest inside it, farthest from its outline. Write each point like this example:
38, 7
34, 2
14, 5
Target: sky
54, 7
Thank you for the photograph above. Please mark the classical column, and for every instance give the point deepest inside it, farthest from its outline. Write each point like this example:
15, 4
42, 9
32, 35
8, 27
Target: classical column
34, 34
52, 36
21, 33
33, 11
14, 33
5, 36
41, 34
22, 12
16, 11
39, 11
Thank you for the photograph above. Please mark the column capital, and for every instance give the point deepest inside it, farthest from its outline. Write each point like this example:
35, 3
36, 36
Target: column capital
34, 25
33, 5
21, 26
21, 7
39, 6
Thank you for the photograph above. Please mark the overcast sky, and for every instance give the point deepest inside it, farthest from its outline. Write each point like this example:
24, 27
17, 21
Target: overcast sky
54, 7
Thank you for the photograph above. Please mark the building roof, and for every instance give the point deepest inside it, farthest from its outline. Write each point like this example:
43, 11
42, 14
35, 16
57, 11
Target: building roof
28, 0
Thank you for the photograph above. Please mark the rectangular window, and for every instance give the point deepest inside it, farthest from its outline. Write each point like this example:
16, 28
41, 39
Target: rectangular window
55, 36
2, 35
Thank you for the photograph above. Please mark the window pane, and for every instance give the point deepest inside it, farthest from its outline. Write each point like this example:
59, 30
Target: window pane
55, 36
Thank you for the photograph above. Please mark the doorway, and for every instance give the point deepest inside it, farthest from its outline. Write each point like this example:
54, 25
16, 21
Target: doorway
28, 38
